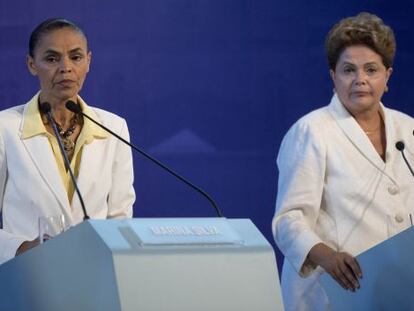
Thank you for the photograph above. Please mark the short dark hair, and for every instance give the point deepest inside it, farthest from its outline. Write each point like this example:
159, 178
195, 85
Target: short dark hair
48, 26
363, 29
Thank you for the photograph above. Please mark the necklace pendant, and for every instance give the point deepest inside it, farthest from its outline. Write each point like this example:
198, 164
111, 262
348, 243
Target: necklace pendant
68, 145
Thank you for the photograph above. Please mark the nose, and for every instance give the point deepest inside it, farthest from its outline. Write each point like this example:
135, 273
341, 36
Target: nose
65, 65
361, 77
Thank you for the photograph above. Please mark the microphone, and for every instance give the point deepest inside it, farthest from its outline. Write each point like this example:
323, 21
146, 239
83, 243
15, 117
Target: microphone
400, 147
77, 109
45, 108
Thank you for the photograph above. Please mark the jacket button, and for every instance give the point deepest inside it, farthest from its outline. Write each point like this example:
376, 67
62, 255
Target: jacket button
399, 218
393, 190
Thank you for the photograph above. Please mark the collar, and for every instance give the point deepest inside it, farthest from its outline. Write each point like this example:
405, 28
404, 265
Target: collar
32, 124
356, 135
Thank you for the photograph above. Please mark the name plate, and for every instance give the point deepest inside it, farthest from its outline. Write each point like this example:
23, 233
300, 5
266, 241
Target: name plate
185, 231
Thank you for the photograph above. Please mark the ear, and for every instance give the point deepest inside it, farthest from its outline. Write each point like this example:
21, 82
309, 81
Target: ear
332, 74
333, 78
89, 58
30, 65
388, 74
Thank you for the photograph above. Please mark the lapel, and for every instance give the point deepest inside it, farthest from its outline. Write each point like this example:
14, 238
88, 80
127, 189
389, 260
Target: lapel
93, 156
391, 139
358, 138
39, 150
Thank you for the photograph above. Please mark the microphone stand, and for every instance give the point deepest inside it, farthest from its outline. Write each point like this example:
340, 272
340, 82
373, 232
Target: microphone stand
400, 147
76, 109
45, 108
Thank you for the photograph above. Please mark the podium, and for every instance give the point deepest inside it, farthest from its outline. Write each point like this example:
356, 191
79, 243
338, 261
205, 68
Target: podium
146, 264
388, 278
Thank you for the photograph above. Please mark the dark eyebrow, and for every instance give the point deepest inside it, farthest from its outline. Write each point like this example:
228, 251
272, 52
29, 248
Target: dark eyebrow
367, 64
348, 63
51, 51
371, 63
76, 50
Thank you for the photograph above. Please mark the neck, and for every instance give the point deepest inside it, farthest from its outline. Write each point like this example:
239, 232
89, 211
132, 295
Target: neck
370, 122
60, 113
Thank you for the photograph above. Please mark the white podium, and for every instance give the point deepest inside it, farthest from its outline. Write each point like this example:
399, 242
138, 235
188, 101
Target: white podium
146, 264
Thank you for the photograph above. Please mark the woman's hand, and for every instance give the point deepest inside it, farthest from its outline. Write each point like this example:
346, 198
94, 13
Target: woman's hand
26, 245
343, 267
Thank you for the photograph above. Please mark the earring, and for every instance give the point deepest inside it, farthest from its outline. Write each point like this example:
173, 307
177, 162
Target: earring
386, 89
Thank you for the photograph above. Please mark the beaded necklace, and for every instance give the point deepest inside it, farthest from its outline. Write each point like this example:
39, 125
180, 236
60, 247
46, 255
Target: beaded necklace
68, 143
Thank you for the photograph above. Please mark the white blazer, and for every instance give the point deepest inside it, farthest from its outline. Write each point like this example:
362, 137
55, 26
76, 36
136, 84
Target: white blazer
335, 188
31, 186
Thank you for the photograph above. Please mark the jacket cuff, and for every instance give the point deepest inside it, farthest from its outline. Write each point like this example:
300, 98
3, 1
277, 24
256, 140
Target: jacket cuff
299, 259
10, 248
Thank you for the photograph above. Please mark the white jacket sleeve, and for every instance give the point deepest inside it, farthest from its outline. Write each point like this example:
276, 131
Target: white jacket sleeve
122, 195
9, 243
301, 163
3, 171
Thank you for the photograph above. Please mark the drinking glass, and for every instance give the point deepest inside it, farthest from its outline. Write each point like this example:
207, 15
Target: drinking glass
50, 226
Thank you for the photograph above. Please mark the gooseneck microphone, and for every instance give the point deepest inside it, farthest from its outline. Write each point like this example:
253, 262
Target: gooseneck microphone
46, 109
77, 109
400, 147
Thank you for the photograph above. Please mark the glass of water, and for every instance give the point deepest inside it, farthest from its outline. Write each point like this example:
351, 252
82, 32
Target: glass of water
51, 226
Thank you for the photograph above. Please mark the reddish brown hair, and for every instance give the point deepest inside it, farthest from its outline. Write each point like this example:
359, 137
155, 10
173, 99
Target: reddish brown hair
364, 29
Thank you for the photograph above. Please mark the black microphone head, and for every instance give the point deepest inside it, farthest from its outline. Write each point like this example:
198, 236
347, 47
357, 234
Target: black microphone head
72, 106
44, 107
400, 145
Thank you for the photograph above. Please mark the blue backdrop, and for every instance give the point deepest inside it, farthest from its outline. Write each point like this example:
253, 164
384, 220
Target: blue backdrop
207, 86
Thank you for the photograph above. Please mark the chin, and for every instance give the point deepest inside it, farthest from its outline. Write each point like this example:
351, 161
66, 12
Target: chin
365, 106
67, 95
363, 100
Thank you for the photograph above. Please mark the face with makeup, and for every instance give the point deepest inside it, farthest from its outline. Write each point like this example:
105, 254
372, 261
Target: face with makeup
360, 79
61, 61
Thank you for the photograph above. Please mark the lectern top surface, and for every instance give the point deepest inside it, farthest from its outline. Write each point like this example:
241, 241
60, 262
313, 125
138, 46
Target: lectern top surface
152, 234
